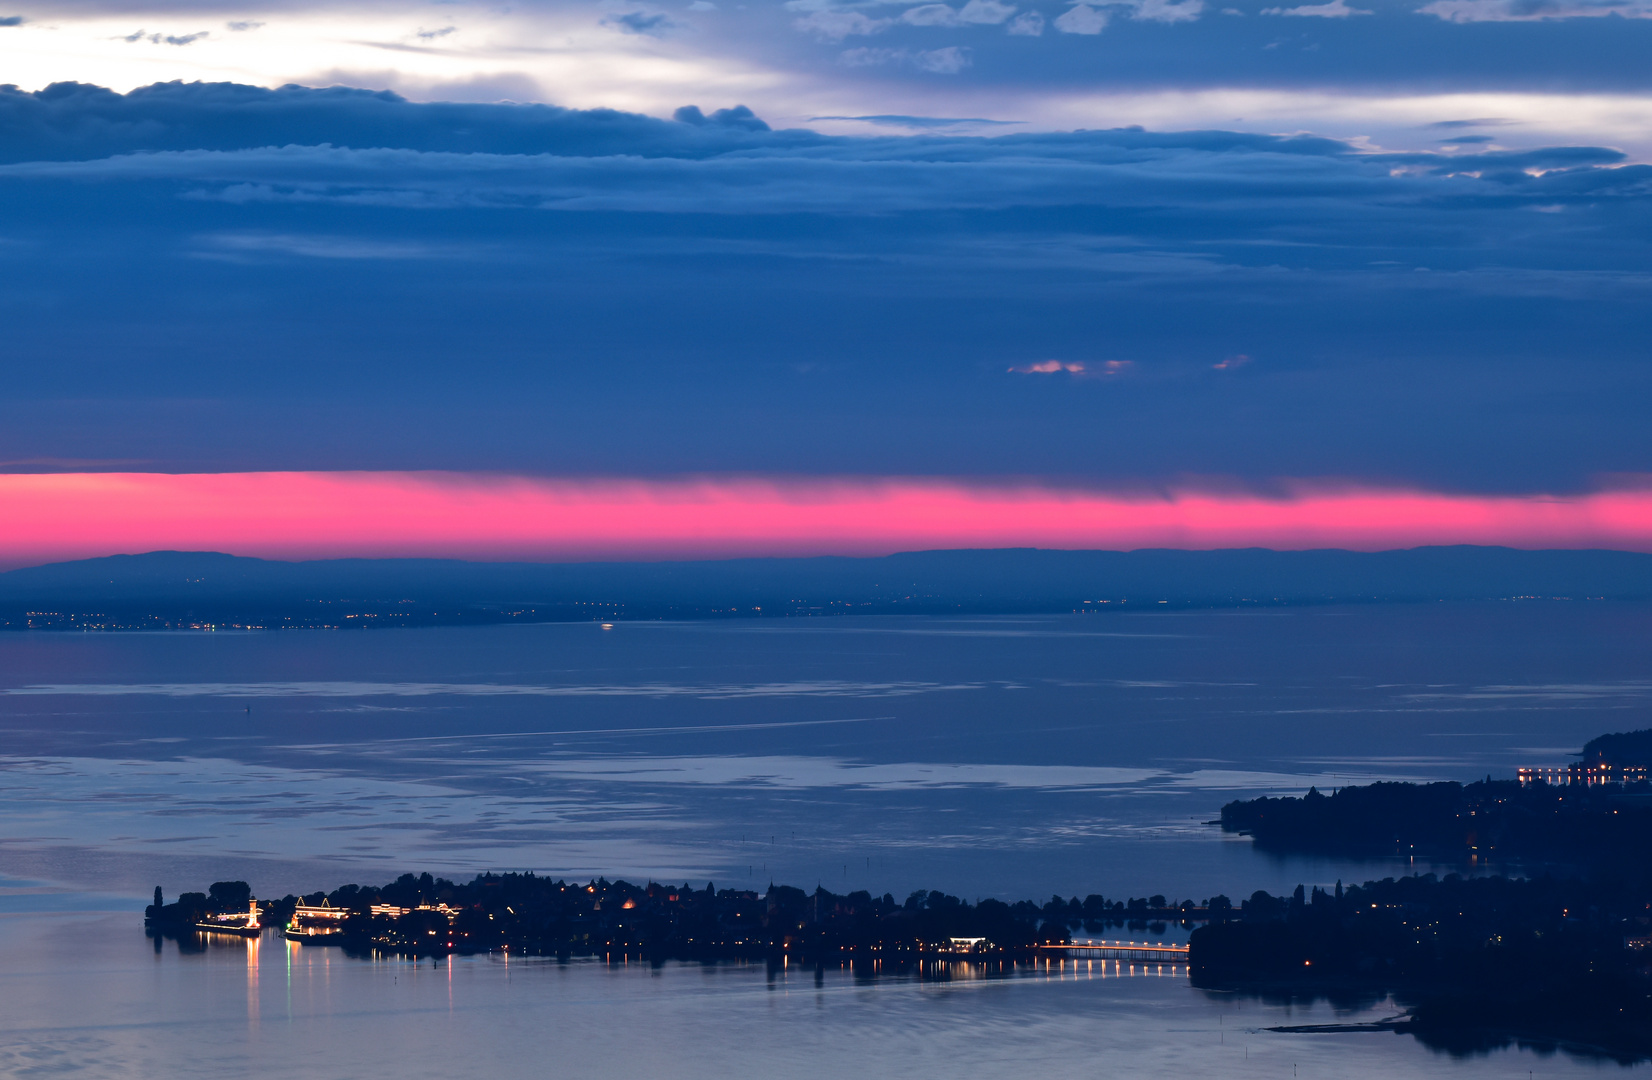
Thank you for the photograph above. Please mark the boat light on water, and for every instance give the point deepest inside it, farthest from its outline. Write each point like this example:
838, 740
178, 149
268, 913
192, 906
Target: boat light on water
316, 925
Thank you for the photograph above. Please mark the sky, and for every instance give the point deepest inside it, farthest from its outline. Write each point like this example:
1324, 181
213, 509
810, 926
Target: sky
333, 514
1128, 256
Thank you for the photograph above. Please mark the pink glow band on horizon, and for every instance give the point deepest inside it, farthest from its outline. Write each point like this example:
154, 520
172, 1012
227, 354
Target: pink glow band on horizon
306, 515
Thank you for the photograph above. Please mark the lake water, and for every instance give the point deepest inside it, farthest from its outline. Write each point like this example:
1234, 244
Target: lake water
1008, 757
87, 996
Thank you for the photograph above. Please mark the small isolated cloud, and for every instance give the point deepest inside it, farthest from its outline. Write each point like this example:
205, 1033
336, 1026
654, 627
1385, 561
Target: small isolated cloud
242, 27
1046, 367
1170, 11
651, 24
166, 39
1484, 121
1469, 11
1336, 9
702, 5
1074, 368
930, 15
432, 35
1229, 363
986, 12
1081, 19
974, 13
1026, 24
947, 61
832, 25
11, 20
239, 247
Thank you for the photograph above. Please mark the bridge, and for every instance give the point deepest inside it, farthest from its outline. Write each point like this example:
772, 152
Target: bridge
1123, 950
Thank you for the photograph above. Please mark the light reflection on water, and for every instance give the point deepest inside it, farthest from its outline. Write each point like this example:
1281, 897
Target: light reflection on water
89, 995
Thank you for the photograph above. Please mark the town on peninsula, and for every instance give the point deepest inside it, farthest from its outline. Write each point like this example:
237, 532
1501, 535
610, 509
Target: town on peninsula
1543, 938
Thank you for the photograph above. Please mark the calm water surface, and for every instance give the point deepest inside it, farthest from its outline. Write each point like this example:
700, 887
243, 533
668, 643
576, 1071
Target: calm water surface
1010, 757
86, 995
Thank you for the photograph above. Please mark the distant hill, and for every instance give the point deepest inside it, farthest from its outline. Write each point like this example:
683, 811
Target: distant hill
1631, 749
176, 588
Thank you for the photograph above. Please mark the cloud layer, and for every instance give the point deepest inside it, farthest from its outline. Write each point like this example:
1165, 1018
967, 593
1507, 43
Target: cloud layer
309, 515
202, 278
1378, 68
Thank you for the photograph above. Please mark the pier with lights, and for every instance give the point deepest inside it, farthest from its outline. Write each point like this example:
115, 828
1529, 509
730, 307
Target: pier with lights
1121, 950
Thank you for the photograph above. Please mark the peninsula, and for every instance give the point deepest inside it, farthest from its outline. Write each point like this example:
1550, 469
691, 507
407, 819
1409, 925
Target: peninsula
1478, 962
1559, 957
1600, 813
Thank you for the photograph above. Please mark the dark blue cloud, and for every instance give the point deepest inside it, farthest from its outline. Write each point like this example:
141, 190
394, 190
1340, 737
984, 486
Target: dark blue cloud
165, 39
641, 22
739, 118
213, 276
74, 120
